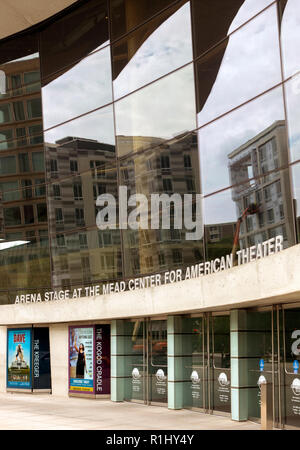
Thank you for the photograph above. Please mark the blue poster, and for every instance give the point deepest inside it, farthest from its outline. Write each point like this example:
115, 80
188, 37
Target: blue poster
19, 358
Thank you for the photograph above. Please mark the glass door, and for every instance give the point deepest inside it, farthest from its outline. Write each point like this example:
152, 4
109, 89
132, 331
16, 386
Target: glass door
146, 361
220, 372
207, 375
290, 392
157, 362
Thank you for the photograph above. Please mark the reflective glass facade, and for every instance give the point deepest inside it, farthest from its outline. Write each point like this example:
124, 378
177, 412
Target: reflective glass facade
162, 97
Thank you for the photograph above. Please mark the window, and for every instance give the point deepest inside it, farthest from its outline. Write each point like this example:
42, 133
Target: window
167, 185
53, 165
77, 190
36, 134
164, 162
40, 188
177, 256
19, 111
83, 240
79, 214
23, 162
21, 137
12, 216
73, 165
5, 113
270, 215
34, 108
32, 81
59, 215
27, 189
13, 191
41, 212
28, 214
161, 259
56, 191
6, 141
43, 238
187, 161
8, 165
38, 162
16, 84
60, 240
281, 211
190, 185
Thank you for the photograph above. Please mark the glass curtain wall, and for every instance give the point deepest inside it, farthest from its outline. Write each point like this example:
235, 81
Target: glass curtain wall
161, 97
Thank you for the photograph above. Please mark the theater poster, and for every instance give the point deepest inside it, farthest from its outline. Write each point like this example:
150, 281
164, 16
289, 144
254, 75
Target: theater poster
81, 359
19, 358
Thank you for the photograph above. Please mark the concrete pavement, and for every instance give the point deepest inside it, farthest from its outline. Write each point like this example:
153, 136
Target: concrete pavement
45, 412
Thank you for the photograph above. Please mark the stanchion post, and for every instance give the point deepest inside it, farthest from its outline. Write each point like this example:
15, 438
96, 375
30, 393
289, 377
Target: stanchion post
266, 406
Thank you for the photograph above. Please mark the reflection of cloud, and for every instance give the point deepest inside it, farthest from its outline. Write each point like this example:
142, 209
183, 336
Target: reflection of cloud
248, 10
251, 64
168, 47
290, 37
163, 109
228, 133
84, 87
98, 125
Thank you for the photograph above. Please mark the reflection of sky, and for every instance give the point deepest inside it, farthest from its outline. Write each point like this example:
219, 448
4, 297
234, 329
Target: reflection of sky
223, 136
219, 208
163, 109
248, 10
84, 87
290, 33
168, 47
251, 64
98, 126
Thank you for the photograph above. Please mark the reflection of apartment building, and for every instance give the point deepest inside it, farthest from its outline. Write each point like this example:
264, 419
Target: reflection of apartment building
255, 178
81, 253
22, 178
166, 168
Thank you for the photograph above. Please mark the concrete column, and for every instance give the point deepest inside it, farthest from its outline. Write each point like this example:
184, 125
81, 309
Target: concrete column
239, 365
117, 361
175, 363
59, 359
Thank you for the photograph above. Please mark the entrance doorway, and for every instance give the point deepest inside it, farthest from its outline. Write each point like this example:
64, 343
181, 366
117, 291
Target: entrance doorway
147, 361
206, 341
274, 343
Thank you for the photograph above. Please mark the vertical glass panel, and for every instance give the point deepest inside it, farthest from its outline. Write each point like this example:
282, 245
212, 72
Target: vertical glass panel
135, 348
153, 50
127, 14
214, 19
230, 145
84, 86
292, 91
161, 243
6, 139
158, 112
295, 170
73, 37
221, 364
290, 34
242, 66
291, 365
260, 354
158, 361
222, 211
194, 372
8, 165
